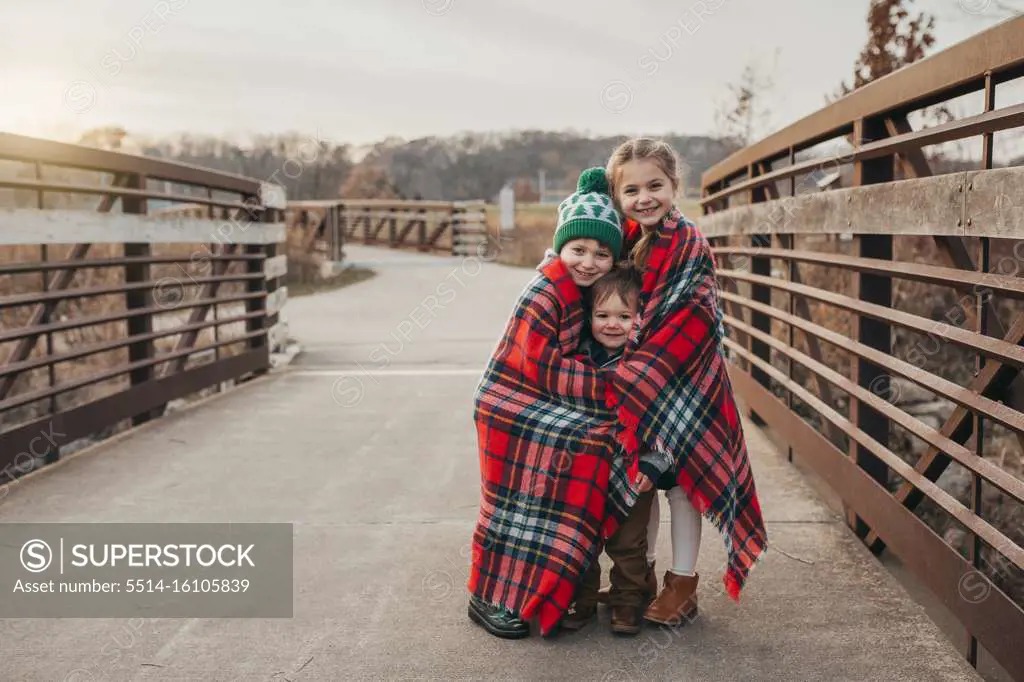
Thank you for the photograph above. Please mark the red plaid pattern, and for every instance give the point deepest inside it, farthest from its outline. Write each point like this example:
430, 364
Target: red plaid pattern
553, 480
672, 392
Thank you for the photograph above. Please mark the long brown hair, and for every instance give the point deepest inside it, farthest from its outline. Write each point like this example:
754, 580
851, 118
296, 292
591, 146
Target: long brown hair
637, 149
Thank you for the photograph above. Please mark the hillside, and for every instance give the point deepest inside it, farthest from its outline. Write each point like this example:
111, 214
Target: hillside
478, 165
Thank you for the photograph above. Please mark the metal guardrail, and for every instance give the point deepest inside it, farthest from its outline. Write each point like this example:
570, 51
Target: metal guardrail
105, 313
767, 234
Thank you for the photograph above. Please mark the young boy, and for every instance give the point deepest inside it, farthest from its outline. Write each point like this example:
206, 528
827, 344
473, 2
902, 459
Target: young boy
532, 373
614, 303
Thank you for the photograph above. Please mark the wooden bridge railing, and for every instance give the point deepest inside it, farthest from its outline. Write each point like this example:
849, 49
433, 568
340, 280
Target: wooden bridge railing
455, 227
108, 316
855, 275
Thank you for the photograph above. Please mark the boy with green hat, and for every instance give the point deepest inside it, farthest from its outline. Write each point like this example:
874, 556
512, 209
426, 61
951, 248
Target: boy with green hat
530, 375
589, 212
589, 239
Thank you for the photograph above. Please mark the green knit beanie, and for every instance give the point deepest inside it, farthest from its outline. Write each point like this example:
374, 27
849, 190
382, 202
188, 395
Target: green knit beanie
589, 213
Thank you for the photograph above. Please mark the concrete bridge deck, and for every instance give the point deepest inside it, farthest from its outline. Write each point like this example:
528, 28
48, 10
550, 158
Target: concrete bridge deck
379, 476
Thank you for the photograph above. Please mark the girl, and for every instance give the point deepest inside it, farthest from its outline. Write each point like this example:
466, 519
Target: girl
672, 391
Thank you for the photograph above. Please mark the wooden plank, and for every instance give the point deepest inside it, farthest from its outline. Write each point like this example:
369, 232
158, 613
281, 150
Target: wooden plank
387, 204
728, 222
471, 237
765, 218
466, 218
183, 210
126, 193
926, 206
907, 143
34, 226
995, 203
276, 267
53, 153
430, 216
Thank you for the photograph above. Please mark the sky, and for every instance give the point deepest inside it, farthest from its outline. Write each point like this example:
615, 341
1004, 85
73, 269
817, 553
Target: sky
358, 72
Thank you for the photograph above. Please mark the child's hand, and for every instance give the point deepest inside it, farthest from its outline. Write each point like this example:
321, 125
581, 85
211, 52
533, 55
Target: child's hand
643, 483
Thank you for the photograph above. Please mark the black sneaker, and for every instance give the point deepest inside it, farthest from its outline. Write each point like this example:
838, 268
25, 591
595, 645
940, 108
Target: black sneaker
496, 620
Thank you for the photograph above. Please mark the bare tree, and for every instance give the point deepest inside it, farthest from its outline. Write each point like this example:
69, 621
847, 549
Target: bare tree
745, 114
895, 39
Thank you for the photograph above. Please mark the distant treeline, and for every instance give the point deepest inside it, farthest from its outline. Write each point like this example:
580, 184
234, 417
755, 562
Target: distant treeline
469, 166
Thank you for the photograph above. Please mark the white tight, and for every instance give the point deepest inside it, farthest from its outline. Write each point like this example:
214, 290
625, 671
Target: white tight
685, 527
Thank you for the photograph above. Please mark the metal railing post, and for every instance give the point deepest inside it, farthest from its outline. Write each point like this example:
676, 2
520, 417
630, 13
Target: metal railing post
139, 298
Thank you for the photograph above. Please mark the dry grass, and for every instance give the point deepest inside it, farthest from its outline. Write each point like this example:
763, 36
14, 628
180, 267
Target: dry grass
176, 286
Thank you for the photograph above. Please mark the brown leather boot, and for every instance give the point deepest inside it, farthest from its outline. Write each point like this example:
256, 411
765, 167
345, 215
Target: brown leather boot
677, 603
626, 620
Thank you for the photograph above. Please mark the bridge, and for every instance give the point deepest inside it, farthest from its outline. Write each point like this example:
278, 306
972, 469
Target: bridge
157, 371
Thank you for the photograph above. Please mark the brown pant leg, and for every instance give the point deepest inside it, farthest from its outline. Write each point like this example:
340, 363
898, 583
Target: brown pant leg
627, 549
586, 591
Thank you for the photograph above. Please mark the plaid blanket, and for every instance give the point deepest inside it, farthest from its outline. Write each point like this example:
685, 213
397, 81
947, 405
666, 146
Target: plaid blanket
672, 392
553, 478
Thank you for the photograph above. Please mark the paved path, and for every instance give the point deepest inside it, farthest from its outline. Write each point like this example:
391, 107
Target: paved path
379, 476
